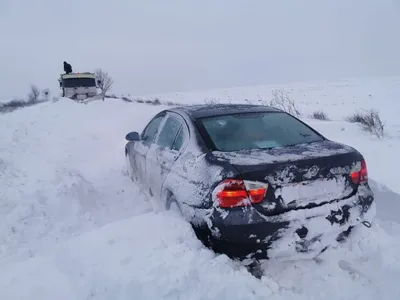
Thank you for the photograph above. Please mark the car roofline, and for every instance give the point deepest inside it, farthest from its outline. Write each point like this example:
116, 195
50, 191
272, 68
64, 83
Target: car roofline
203, 111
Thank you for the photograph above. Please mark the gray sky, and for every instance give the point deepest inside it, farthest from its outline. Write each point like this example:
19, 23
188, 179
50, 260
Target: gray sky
154, 46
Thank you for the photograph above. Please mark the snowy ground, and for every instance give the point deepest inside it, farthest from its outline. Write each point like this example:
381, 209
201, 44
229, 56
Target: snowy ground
72, 225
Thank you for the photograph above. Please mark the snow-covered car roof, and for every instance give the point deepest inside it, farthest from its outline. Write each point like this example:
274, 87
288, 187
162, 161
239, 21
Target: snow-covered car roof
210, 110
78, 75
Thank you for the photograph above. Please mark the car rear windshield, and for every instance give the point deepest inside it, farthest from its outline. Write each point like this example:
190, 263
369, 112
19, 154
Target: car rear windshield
264, 130
79, 82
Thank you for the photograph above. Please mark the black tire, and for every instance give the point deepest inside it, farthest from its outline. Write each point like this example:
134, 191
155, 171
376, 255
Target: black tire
173, 205
255, 269
202, 233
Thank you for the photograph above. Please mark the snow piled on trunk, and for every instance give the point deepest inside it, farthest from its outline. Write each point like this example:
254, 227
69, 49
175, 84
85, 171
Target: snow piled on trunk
73, 226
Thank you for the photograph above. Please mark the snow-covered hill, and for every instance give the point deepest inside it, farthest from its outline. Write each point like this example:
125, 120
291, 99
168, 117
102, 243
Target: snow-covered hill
337, 98
73, 226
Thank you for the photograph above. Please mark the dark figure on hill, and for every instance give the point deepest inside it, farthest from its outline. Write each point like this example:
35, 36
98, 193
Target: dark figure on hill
67, 68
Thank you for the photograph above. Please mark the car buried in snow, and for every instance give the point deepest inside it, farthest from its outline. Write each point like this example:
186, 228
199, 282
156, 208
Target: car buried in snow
254, 181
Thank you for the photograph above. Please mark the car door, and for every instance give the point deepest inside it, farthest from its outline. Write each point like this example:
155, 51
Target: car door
162, 155
140, 148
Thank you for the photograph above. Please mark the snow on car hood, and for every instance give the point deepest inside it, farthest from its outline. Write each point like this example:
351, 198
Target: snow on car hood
294, 153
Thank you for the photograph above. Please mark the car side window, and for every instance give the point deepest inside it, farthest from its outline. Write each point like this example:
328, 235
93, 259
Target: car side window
180, 139
151, 130
168, 132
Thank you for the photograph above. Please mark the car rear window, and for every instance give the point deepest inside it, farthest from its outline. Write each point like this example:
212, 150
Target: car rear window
257, 131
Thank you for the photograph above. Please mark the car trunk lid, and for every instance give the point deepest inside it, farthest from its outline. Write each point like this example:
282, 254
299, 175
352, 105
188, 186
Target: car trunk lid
301, 176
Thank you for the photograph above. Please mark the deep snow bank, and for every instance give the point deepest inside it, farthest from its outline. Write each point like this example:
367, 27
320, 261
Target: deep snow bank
148, 257
62, 171
156, 256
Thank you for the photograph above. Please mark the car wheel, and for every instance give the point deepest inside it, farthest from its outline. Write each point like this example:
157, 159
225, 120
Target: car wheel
255, 269
174, 207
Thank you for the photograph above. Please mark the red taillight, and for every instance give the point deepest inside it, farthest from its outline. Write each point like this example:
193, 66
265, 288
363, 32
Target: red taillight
360, 173
257, 195
236, 192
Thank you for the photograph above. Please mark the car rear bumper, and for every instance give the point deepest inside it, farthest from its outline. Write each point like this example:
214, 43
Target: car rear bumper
245, 233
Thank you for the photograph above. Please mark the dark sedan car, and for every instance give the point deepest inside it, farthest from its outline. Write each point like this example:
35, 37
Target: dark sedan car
254, 181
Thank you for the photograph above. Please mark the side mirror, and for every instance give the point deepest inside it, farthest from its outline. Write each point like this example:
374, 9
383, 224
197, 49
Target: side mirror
132, 136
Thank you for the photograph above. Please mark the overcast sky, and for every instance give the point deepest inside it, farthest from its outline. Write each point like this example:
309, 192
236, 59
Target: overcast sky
153, 46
